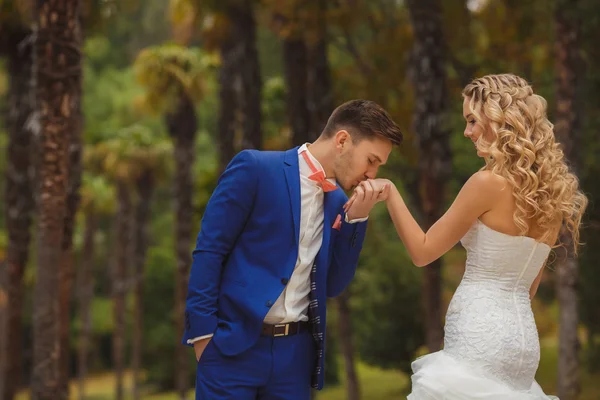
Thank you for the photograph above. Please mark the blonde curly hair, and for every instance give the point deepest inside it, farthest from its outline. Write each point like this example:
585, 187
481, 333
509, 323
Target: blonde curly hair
524, 151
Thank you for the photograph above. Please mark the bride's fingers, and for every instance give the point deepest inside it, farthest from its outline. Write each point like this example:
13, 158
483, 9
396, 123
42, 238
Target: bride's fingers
359, 193
369, 187
384, 193
348, 206
348, 203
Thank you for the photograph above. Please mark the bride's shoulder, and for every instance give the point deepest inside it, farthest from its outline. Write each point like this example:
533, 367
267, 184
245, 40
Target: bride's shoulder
487, 181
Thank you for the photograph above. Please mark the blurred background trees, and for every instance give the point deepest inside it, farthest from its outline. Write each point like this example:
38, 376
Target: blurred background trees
113, 141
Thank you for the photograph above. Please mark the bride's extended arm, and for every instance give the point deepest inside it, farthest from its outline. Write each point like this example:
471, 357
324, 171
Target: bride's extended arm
477, 196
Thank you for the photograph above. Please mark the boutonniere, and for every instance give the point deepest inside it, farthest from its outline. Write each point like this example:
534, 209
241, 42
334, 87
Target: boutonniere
337, 224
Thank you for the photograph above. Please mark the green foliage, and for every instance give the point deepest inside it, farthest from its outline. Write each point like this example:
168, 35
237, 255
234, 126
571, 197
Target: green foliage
97, 195
206, 173
170, 71
369, 47
108, 104
276, 135
131, 152
128, 25
385, 292
101, 313
161, 337
15, 12
3, 81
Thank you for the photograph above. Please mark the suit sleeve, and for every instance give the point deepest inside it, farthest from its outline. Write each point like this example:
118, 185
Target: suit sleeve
224, 219
346, 250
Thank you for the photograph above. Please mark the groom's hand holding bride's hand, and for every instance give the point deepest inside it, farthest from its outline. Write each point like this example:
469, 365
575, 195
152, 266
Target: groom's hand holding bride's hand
365, 196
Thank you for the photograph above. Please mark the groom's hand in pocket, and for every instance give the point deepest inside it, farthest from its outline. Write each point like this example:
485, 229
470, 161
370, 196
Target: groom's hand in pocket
199, 347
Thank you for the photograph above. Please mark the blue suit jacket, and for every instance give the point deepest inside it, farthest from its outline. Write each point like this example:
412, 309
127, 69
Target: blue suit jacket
247, 248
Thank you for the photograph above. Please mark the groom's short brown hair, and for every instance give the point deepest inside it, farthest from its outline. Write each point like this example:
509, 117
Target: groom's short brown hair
363, 119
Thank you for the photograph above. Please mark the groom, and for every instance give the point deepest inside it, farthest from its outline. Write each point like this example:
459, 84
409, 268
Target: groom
274, 244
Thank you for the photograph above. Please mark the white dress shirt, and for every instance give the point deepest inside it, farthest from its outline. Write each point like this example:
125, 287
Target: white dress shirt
292, 304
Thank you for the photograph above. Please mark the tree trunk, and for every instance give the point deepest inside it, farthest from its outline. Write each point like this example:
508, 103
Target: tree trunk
240, 84
119, 283
67, 273
567, 128
227, 101
3, 318
19, 203
86, 295
244, 24
435, 163
320, 94
295, 64
58, 73
345, 335
145, 187
568, 352
182, 126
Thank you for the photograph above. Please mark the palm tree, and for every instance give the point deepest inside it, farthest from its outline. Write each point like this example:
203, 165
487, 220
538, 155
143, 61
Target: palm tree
132, 159
113, 159
67, 268
57, 50
173, 76
243, 30
429, 81
240, 81
320, 93
123, 258
91, 12
288, 22
97, 199
347, 346
151, 157
16, 47
302, 26
567, 128
296, 75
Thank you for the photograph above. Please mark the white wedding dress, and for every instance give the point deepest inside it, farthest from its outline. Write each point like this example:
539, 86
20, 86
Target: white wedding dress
491, 345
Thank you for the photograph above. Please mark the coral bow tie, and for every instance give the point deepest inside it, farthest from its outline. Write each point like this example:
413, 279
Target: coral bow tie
318, 175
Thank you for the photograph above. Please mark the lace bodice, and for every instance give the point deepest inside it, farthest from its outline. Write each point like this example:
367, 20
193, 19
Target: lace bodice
489, 324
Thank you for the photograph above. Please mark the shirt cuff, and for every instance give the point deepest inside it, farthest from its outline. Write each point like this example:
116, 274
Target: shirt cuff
191, 341
354, 221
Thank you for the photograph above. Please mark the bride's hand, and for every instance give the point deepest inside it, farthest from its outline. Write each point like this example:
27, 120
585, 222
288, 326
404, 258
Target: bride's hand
369, 192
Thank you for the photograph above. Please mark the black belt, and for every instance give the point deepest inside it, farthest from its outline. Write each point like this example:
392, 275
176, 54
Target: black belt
288, 329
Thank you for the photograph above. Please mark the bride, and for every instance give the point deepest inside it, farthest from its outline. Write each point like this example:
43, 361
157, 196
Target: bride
508, 216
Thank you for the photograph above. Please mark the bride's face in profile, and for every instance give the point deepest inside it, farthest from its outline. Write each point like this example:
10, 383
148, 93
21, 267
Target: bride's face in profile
475, 129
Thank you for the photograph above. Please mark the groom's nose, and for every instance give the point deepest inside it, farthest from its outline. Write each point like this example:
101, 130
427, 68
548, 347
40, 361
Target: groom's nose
371, 174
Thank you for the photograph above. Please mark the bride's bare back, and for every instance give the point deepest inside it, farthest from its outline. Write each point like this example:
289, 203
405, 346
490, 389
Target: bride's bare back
501, 216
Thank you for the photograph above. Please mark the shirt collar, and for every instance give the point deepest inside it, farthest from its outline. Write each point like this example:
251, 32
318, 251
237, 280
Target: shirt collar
304, 168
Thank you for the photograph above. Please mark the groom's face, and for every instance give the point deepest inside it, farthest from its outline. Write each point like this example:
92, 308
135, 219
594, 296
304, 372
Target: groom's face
359, 160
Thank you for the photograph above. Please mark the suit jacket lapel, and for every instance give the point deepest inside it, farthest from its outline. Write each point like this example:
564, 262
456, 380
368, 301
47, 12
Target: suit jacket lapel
292, 177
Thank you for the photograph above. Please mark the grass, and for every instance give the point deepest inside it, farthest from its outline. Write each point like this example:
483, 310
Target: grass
547, 372
375, 383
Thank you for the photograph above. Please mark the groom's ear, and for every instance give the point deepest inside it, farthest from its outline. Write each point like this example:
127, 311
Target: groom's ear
342, 138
